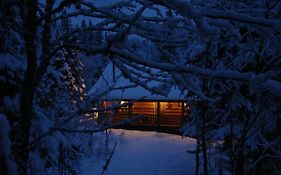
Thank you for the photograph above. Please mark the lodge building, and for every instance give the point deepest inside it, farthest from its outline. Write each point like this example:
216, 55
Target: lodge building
155, 112
158, 112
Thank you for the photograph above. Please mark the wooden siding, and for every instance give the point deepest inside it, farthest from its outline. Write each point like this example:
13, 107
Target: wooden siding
148, 108
173, 108
156, 113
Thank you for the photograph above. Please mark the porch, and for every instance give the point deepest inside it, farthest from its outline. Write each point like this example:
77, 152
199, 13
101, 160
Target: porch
151, 119
157, 115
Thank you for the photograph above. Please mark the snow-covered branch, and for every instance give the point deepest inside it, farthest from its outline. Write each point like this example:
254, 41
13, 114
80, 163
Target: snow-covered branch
271, 85
274, 24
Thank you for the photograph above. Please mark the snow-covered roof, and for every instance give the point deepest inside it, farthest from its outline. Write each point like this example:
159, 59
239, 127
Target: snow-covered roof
116, 88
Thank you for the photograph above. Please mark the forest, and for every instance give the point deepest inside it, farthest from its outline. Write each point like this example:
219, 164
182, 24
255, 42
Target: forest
224, 56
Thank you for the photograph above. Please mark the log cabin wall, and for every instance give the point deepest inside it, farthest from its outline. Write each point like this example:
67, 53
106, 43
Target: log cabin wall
170, 114
149, 108
156, 113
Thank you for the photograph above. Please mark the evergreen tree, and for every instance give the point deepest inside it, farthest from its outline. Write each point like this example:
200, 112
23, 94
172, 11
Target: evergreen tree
84, 35
57, 96
169, 48
98, 37
66, 23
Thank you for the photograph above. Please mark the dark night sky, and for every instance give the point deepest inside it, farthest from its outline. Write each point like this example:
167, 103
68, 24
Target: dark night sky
77, 20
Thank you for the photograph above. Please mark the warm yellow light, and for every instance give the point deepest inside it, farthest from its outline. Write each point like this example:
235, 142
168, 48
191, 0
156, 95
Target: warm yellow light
95, 114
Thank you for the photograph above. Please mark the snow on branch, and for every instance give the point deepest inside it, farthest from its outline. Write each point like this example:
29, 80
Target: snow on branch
137, 81
274, 87
186, 9
135, 22
232, 15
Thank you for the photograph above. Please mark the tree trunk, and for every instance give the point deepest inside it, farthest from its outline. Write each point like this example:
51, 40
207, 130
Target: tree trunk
204, 151
203, 137
197, 157
28, 91
241, 157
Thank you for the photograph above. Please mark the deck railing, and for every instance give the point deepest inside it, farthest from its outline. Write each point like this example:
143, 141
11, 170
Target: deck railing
151, 119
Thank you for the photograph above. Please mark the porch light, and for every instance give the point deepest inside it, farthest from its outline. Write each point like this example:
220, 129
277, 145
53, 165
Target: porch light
95, 114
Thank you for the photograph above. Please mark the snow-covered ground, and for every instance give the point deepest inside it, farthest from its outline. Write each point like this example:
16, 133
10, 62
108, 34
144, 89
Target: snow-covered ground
142, 153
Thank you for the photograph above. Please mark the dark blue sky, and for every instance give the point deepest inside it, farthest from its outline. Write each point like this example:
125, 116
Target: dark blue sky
78, 20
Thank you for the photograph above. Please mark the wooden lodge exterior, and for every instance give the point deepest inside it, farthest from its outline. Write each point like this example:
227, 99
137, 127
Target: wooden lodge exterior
158, 112
155, 113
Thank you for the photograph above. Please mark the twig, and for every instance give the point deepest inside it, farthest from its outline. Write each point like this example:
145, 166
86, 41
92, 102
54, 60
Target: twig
108, 160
